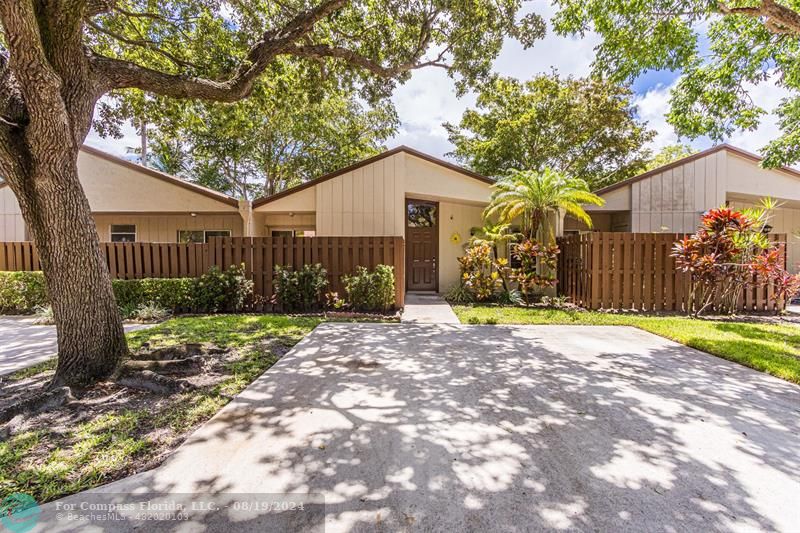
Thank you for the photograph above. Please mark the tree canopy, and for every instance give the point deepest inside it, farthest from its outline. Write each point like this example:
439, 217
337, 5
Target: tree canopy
668, 154
749, 42
578, 126
282, 135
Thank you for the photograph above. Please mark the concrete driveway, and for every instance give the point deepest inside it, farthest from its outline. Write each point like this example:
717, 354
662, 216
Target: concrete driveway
23, 343
491, 428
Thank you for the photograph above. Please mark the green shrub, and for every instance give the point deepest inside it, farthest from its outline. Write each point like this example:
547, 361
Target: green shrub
221, 292
459, 294
370, 291
214, 292
300, 290
173, 294
21, 292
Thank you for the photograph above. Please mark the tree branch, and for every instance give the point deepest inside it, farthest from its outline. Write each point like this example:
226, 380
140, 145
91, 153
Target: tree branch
777, 17
120, 74
354, 58
144, 43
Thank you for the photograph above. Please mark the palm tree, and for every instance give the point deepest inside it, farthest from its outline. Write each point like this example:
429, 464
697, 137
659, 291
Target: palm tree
530, 196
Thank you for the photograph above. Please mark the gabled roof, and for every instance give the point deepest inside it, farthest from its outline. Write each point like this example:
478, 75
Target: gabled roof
688, 159
210, 193
316, 181
153, 173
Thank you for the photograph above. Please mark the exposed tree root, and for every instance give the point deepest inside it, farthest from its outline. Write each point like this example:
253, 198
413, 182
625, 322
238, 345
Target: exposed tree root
181, 351
145, 370
150, 381
46, 401
188, 365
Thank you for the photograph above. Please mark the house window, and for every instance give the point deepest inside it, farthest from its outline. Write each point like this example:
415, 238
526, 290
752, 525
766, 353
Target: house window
200, 236
217, 233
123, 233
292, 233
186, 236
421, 215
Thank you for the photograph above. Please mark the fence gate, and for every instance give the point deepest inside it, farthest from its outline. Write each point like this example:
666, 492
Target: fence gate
604, 270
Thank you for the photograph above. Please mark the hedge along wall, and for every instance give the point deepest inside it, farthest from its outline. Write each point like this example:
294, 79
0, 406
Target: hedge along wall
23, 292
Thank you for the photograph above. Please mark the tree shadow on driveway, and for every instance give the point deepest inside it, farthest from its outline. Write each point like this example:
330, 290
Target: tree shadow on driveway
503, 428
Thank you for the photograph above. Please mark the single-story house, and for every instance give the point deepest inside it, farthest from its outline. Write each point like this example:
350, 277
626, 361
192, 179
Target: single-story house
131, 202
401, 192
671, 198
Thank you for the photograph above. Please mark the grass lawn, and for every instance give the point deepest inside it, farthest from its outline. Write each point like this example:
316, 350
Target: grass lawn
770, 348
111, 431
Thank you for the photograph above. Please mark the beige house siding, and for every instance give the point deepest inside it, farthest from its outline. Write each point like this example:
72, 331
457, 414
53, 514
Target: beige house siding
121, 192
302, 201
671, 201
746, 177
164, 228
112, 186
268, 222
367, 201
454, 218
429, 181
12, 226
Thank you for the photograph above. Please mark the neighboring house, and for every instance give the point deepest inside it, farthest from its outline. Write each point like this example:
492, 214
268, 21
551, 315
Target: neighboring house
401, 192
135, 203
671, 198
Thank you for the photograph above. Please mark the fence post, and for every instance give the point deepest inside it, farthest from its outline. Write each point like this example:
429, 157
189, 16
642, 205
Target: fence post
594, 277
399, 271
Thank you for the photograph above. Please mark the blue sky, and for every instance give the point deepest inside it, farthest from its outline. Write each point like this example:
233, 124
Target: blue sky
428, 99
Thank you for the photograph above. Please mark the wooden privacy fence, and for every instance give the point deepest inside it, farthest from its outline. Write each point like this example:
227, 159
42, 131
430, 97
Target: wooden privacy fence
635, 271
259, 255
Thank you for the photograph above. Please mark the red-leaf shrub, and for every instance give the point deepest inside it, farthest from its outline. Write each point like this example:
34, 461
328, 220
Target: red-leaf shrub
537, 267
728, 253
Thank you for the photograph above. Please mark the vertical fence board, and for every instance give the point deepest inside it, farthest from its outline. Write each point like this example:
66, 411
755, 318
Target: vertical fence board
637, 271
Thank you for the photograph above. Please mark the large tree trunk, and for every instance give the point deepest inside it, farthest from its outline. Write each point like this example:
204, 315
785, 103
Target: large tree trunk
91, 341
49, 94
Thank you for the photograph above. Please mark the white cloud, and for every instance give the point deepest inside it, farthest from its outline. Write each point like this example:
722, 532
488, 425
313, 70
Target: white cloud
652, 107
654, 104
428, 99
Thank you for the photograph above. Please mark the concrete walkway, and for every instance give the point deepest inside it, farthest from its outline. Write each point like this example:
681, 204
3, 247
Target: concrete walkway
23, 343
427, 308
410, 427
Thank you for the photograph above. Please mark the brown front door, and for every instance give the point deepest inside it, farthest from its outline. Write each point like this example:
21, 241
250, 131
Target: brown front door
422, 245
